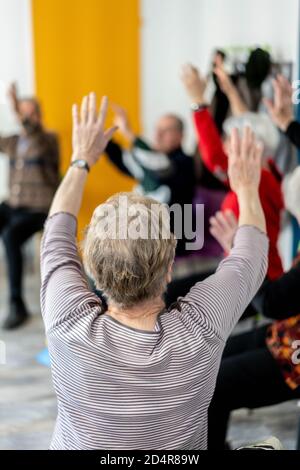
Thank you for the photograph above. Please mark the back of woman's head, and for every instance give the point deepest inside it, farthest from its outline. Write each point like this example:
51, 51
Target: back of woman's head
128, 248
262, 126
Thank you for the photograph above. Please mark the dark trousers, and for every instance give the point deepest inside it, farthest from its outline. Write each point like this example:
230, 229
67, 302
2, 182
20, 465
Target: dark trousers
17, 226
249, 377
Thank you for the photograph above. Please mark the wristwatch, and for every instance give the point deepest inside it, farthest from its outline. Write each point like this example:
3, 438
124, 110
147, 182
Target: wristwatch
198, 107
81, 164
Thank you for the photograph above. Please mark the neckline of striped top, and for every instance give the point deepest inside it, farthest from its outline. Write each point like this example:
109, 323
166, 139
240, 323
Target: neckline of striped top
155, 332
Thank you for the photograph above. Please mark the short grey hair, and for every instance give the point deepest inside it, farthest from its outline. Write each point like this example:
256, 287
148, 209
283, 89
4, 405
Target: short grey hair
126, 270
262, 126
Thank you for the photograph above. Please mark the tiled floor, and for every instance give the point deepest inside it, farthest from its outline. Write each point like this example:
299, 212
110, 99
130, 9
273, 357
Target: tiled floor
28, 406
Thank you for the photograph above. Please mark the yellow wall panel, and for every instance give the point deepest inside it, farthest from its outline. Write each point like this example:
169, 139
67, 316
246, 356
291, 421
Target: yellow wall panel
82, 46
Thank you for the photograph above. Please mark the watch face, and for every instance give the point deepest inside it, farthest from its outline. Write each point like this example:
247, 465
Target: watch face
81, 164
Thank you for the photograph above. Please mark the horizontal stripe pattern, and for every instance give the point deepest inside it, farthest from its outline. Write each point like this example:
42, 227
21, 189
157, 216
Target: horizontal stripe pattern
121, 388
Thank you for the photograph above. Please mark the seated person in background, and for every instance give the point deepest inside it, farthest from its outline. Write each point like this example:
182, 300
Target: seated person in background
164, 171
281, 110
261, 367
33, 180
139, 376
214, 154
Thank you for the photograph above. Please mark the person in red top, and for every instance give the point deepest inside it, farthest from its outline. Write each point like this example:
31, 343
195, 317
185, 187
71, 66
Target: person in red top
214, 155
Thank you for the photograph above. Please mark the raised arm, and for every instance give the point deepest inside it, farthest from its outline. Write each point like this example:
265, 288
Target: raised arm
209, 141
220, 300
121, 121
64, 288
237, 105
7, 143
140, 161
281, 109
13, 98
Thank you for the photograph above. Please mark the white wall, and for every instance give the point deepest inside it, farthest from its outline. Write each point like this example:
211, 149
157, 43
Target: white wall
177, 31
250, 22
16, 64
168, 39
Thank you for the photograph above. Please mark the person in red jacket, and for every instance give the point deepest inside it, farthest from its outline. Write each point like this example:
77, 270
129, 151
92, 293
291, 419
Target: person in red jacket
214, 155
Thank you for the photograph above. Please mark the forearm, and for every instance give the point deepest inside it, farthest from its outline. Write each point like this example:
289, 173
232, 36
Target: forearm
237, 105
130, 136
115, 155
210, 144
69, 195
250, 209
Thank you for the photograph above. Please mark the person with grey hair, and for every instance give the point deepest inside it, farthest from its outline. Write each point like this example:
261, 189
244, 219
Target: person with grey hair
214, 154
139, 376
260, 367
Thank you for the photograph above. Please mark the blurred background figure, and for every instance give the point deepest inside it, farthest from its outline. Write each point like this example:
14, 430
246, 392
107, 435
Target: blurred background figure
34, 176
163, 170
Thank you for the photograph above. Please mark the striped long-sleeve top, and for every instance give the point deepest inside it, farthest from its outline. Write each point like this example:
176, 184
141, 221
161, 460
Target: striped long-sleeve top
123, 388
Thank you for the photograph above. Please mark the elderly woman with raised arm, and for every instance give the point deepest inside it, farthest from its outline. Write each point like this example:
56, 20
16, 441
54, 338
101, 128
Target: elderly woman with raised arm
138, 376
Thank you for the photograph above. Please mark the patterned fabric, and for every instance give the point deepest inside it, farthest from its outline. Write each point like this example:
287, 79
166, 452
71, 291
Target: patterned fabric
34, 170
280, 338
123, 388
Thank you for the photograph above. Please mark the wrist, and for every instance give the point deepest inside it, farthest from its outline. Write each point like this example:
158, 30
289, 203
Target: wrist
246, 193
198, 99
130, 136
284, 123
81, 164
